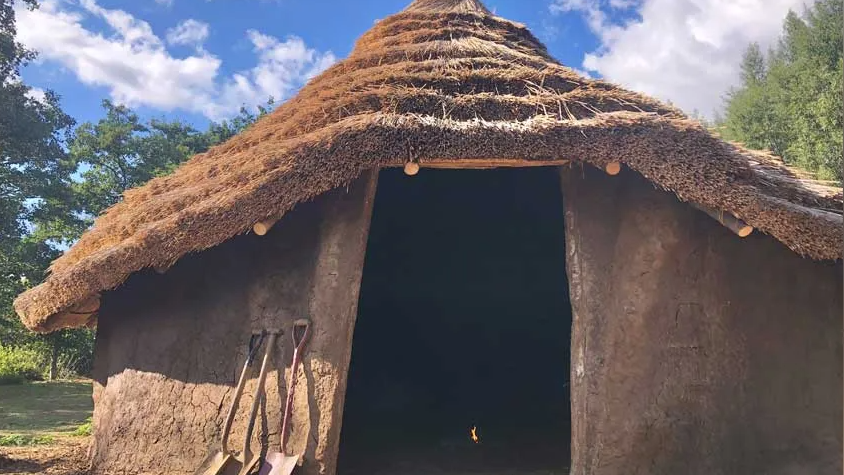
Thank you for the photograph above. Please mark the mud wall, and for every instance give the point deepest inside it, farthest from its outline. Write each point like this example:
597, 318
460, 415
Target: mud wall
694, 351
169, 347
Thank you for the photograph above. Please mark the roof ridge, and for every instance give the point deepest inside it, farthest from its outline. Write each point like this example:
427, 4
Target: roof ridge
448, 6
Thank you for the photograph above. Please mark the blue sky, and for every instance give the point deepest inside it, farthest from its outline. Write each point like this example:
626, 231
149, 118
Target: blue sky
198, 60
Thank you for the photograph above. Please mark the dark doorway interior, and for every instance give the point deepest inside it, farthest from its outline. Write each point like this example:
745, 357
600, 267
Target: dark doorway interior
464, 321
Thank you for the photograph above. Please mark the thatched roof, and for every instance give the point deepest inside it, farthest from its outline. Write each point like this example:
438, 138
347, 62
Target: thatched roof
445, 80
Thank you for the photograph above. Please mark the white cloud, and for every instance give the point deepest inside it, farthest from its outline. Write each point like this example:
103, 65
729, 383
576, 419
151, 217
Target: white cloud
133, 31
189, 32
685, 51
582, 72
37, 94
590, 9
282, 66
136, 68
166, 3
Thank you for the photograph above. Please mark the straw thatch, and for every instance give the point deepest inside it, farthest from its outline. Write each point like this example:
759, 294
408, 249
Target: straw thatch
445, 80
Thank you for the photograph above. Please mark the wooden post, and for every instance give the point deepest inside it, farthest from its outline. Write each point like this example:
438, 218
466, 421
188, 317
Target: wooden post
54, 358
613, 168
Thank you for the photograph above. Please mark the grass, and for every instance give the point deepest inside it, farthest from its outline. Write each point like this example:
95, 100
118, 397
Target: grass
84, 429
36, 413
18, 440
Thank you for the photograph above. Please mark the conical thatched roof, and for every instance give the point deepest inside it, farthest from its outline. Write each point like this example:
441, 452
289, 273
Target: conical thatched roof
445, 80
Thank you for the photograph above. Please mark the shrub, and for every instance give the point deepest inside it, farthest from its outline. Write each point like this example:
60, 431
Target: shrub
68, 367
19, 364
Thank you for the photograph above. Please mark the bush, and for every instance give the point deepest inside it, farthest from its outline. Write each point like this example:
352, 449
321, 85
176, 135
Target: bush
20, 364
77, 353
68, 367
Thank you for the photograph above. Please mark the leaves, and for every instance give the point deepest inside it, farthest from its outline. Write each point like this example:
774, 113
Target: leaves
55, 179
791, 102
13, 55
120, 152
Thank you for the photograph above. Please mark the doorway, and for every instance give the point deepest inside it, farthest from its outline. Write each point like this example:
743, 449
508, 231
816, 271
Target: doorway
464, 322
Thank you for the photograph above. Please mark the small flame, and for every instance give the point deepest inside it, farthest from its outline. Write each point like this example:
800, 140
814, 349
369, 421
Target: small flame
474, 435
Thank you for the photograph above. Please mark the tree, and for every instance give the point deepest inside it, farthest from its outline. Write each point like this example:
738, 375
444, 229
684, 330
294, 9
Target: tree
220, 132
34, 173
121, 152
54, 180
791, 102
12, 54
753, 66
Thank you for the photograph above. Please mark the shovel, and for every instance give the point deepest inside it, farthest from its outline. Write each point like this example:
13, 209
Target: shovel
249, 458
216, 461
278, 463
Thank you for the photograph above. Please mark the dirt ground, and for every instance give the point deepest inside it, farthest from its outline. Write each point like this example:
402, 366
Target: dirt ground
68, 456
65, 456
53, 411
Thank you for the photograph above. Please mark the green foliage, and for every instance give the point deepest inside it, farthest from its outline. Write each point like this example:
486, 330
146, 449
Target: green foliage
791, 101
85, 429
34, 179
12, 54
22, 440
18, 365
103, 160
76, 356
121, 152
55, 178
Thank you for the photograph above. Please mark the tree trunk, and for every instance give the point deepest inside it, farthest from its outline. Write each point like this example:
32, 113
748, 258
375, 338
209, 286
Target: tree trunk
54, 359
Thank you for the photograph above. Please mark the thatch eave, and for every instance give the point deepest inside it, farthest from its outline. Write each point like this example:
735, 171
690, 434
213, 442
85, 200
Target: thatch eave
677, 155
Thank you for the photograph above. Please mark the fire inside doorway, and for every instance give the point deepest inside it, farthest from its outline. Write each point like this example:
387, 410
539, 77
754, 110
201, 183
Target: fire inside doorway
461, 352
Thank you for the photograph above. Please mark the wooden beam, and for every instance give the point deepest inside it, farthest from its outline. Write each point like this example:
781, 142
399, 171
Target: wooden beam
613, 168
484, 163
728, 220
261, 228
411, 168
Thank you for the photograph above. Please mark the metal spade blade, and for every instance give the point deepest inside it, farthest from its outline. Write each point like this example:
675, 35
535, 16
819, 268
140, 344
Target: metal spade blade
218, 460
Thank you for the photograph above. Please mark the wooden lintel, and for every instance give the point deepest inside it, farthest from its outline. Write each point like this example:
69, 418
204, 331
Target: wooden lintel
728, 220
487, 163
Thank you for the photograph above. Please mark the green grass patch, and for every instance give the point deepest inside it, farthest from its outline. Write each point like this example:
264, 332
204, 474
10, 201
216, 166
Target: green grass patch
85, 429
34, 413
20, 440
